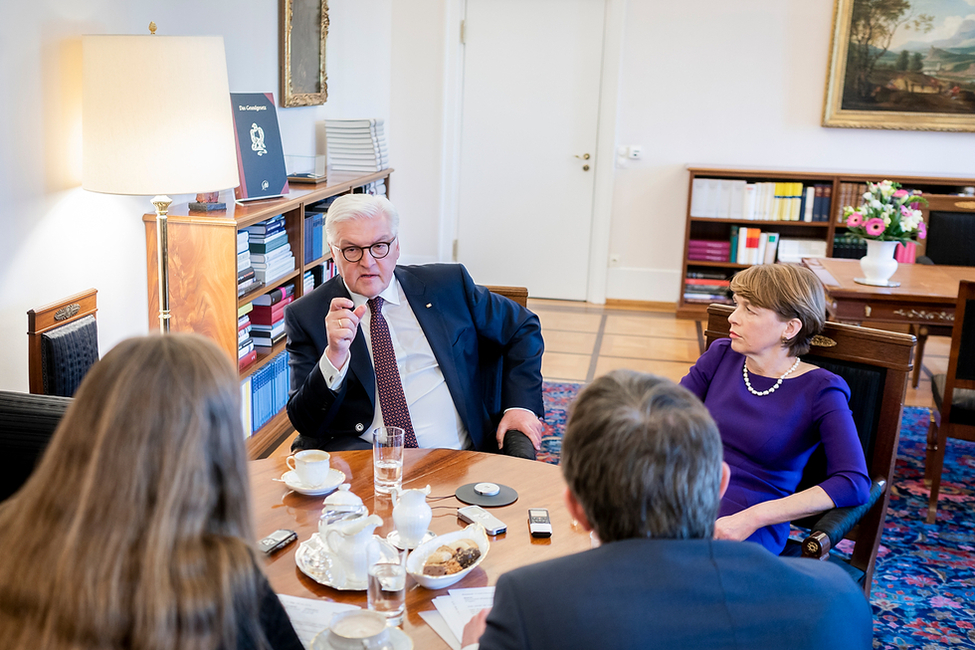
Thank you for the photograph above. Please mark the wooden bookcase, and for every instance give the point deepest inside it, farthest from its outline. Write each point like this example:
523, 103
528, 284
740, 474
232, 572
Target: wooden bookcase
940, 191
203, 273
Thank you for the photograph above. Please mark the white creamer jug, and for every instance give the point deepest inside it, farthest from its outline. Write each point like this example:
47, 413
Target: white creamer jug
352, 542
412, 515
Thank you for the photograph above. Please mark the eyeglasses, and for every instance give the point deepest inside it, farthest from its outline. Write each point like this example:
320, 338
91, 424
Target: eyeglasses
379, 250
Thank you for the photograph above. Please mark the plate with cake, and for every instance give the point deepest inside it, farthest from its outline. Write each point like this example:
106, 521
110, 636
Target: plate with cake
446, 559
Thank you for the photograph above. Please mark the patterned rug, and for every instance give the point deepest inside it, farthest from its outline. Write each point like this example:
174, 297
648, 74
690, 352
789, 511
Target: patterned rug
924, 585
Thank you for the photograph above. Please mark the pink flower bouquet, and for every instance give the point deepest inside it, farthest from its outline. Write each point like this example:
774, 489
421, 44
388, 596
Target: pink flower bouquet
888, 213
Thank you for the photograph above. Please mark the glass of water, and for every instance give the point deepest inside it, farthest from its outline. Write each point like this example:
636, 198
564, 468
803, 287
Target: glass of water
387, 459
387, 587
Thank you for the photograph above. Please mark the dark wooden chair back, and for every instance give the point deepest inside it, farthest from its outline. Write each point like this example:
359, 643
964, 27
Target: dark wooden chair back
27, 423
518, 294
492, 375
875, 364
62, 344
954, 393
951, 238
951, 241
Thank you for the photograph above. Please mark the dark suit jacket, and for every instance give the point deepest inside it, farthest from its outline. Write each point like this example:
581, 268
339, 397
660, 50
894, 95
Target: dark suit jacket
644, 593
489, 349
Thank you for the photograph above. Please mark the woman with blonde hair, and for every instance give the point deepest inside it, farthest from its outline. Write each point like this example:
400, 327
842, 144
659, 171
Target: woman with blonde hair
774, 410
135, 529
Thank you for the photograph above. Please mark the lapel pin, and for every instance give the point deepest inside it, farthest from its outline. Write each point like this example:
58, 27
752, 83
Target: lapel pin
429, 305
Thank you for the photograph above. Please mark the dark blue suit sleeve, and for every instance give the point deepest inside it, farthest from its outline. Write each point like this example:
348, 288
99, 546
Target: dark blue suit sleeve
316, 412
511, 335
505, 623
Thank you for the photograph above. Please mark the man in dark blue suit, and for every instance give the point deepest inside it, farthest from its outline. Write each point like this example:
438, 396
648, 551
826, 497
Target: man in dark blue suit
642, 459
468, 361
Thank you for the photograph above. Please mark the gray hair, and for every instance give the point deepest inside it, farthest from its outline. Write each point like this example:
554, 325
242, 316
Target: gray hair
643, 458
360, 206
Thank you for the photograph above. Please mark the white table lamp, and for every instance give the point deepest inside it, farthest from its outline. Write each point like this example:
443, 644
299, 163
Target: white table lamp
157, 120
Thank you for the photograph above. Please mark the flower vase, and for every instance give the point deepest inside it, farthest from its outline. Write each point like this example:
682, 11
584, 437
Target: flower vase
879, 263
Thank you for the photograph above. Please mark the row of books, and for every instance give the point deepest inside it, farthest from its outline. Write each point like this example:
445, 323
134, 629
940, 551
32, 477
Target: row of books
849, 246
246, 353
267, 316
746, 246
357, 145
260, 323
246, 278
772, 201
850, 194
706, 290
270, 251
753, 246
264, 393
314, 236
316, 275
707, 286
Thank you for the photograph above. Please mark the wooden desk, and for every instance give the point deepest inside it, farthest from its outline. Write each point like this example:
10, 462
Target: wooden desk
926, 296
538, 485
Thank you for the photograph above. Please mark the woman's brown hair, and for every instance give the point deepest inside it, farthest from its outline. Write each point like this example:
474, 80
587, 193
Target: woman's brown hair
791, 292
133, 530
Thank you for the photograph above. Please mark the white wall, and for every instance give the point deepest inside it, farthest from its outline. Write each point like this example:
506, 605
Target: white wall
733, 84
57, 239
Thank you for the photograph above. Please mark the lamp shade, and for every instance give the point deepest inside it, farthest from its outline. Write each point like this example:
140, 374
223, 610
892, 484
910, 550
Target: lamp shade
156, 115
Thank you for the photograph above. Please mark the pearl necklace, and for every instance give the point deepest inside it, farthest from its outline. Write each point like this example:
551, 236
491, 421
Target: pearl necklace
748, 384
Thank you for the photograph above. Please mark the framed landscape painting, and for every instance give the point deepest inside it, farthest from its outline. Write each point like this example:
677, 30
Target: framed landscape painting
902, 64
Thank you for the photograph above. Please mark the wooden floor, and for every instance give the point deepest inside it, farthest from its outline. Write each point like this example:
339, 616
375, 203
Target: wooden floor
583, 341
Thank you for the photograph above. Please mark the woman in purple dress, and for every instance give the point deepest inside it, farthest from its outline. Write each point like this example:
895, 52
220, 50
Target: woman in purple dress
774, 410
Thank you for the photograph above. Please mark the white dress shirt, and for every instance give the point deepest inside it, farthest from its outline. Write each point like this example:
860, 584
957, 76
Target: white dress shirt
436, 421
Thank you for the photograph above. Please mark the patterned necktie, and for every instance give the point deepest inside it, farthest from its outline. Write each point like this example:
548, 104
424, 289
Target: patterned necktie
391, 397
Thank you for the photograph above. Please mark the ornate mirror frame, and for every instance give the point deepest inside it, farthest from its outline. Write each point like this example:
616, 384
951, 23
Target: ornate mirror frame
304, 30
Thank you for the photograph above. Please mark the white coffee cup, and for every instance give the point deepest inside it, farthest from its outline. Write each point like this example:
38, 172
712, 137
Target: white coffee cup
311, 466
357, 630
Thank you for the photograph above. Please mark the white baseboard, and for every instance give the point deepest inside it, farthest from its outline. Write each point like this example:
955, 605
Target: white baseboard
650, 285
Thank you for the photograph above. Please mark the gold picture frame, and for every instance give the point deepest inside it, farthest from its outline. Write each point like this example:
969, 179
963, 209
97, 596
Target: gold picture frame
872, 85
304, 30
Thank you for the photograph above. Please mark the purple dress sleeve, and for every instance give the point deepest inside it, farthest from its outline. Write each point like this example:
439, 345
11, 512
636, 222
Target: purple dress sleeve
768, 439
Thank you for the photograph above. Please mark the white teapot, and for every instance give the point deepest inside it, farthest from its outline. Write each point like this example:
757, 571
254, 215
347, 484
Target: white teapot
412, 515
354, 545
340, 505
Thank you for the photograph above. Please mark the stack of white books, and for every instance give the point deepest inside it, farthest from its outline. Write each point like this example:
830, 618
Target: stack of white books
356, 145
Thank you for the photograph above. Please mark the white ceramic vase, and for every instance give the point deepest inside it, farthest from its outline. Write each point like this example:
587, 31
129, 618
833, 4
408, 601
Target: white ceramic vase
879, 263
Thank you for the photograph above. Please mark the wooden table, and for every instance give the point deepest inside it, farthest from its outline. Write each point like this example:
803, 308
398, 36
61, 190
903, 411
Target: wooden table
926, 296
538, 485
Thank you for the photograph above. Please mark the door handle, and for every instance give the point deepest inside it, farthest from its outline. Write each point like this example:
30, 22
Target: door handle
584, 156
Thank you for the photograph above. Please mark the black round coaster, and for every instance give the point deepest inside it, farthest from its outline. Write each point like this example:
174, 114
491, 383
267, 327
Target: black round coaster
467, 494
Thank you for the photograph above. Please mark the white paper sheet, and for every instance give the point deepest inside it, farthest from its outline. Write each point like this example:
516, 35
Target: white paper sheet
475, 599
457, 608
436, 622
309, 616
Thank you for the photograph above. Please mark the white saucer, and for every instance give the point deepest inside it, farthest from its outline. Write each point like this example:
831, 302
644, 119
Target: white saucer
393, 538
316, 560
399, 639
333, 479
889, 283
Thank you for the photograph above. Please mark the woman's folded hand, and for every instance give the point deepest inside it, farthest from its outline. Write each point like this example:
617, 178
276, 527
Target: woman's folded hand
736, 527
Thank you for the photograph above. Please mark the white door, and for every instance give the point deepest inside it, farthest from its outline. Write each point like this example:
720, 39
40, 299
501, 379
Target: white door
528, 141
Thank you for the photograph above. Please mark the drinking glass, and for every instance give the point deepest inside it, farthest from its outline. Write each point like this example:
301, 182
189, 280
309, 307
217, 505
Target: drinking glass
387, 587
387, 459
